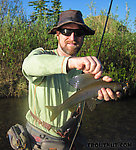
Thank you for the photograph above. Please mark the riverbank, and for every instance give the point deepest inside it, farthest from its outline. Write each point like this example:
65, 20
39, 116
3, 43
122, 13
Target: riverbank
10, 89
19, 89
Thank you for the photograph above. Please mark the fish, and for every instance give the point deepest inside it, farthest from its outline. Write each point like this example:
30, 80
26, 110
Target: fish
87, 91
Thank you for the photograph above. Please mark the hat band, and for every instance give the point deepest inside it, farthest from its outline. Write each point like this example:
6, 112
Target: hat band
70, 19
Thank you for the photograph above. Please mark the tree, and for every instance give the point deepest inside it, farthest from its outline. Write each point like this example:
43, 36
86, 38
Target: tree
47, 11
56, 10
41, 9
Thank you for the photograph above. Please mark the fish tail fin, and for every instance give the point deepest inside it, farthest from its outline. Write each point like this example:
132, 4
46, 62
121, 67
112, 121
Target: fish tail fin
55, 111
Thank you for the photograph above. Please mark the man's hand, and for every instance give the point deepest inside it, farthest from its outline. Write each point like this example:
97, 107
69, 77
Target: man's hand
86, 64
107, 93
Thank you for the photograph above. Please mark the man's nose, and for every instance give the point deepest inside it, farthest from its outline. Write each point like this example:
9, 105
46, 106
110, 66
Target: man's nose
72, 36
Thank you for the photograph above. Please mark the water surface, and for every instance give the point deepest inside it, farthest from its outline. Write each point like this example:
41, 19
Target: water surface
112, 125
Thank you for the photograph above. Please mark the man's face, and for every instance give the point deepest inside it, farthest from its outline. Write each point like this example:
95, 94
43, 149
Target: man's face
70, 44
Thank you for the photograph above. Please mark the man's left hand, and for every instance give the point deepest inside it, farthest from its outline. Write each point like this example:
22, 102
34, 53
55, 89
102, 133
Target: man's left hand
107, 93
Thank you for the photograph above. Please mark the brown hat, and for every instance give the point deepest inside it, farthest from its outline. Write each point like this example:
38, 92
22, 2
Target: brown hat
72, 16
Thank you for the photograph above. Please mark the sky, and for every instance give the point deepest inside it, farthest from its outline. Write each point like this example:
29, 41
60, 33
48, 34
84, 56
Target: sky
82, 5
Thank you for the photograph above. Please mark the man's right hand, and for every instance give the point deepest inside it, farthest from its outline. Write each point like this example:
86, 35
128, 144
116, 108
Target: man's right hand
88, 64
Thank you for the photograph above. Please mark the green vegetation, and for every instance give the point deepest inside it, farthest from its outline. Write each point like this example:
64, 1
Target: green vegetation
20, 35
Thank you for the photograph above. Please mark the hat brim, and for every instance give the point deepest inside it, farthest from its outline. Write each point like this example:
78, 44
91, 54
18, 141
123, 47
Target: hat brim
87, 30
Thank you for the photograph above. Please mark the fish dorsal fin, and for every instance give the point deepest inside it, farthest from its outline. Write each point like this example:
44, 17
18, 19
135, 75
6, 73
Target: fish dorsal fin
82, 80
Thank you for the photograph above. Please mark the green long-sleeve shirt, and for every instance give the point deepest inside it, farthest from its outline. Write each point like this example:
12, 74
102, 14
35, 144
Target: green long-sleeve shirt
48, 85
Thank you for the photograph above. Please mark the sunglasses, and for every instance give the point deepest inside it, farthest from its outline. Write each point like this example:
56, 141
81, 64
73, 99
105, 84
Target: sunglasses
68, 32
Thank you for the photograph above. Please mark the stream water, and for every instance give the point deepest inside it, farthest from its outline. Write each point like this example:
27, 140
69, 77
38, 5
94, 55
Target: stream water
112, 125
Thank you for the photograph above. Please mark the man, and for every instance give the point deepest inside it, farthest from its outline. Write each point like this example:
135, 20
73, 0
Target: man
48, 72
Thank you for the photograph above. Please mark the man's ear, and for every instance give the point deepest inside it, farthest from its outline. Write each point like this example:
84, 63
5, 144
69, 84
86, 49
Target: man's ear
57, 34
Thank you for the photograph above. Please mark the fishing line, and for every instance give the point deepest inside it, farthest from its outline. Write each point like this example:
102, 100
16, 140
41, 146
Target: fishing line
104, 28
78, 126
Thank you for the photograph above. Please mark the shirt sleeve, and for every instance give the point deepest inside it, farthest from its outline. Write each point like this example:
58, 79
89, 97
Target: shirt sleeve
40, 63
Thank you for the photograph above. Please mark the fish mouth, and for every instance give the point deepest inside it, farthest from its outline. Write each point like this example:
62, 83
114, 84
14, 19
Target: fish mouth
125, 87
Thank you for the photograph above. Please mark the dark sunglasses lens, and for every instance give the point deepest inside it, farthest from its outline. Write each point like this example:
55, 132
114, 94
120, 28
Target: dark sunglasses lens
79, 33
68, 32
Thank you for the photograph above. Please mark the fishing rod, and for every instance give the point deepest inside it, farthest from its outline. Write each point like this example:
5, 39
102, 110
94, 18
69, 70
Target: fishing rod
104, 28
97, 57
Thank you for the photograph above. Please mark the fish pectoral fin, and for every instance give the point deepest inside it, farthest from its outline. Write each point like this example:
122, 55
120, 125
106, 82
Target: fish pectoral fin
91, 103
99, 101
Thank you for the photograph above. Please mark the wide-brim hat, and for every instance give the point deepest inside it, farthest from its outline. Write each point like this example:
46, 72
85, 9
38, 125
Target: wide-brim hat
72, 16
